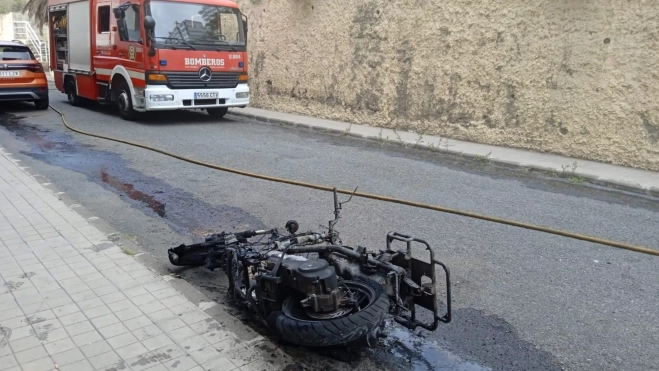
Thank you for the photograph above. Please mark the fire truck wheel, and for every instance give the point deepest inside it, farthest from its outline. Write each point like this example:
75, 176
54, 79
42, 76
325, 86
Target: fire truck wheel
125, 103
72, 94
217, 113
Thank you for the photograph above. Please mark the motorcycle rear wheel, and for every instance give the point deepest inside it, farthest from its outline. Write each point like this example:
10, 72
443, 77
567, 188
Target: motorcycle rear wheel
294, 326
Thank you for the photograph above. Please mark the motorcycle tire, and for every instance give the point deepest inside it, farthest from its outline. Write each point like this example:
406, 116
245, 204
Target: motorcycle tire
337, 331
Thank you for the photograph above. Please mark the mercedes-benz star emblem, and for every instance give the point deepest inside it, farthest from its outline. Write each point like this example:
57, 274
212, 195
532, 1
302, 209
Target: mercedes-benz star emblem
205, 74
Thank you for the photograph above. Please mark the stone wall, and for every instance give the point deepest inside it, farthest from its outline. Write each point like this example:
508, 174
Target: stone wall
578, 78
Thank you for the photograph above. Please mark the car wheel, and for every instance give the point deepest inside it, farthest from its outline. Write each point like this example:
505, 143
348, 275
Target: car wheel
217, 113
42, 104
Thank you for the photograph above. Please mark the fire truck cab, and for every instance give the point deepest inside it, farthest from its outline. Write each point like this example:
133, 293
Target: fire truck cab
150, 55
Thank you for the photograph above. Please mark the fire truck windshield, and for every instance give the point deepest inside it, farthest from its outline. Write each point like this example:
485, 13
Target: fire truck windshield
197, 25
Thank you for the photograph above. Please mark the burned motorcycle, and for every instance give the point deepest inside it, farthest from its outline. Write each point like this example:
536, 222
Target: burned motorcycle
340, 295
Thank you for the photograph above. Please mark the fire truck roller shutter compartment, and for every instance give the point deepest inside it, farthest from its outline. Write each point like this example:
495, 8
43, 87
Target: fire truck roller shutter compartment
79, 39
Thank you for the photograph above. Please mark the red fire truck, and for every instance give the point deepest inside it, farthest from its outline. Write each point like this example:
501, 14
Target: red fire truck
150, 55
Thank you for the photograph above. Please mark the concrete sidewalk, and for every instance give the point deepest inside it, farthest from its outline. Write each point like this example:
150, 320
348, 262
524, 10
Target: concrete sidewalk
634, 180
72, 300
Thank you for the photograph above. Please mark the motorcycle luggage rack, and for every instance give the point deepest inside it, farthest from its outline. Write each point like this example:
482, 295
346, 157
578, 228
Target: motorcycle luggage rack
418, 269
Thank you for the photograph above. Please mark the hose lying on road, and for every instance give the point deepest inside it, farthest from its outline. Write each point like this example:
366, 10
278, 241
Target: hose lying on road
600, 241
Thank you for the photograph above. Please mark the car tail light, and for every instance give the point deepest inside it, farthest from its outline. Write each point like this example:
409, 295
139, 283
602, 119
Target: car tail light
36, 67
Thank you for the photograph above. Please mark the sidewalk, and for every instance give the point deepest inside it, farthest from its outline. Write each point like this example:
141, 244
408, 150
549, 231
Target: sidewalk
72, 300
634, 180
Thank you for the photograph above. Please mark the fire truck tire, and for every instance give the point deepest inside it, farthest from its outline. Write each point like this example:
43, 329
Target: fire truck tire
72, 93
217, 113
124, 102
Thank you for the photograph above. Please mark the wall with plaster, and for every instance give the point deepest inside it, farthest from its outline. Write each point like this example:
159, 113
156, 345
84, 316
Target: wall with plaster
578, 78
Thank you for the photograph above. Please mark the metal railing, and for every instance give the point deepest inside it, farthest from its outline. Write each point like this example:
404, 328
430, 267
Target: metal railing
24, 32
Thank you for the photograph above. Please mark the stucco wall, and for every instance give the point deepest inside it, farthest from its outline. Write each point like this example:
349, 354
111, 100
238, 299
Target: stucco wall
572, 77
6, 26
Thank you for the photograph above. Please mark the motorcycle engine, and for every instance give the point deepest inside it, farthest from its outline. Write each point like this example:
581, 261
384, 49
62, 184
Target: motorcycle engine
314, 278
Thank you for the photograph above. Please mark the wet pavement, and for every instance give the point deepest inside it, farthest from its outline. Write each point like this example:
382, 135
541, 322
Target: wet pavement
163, 211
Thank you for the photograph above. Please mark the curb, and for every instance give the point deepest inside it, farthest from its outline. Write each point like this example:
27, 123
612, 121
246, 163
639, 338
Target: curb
584, 178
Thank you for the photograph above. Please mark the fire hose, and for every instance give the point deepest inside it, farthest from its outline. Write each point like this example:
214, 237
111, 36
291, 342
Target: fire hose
601, 241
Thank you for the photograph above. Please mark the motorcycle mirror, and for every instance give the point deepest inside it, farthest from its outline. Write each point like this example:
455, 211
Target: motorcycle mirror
292, 226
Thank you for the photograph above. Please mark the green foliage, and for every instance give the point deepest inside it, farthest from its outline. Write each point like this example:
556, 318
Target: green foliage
12, 6
38, 11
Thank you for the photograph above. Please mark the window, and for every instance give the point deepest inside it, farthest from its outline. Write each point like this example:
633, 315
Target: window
15, 53
104, 19
133, 23
206, 27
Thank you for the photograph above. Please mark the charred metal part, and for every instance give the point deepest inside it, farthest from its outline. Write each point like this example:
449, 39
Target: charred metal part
292, 226
340, 296
426, 297
343, 250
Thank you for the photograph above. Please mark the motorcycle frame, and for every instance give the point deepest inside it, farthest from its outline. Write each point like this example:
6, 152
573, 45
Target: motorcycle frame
417, 270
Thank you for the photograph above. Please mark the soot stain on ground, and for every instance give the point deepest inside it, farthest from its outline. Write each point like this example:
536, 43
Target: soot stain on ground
181, 210
493, 341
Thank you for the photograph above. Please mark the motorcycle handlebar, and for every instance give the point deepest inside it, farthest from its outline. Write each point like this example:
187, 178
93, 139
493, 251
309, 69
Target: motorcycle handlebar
251, 233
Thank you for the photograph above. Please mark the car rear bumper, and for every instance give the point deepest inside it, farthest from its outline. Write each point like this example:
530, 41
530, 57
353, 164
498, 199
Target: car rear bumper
23, 94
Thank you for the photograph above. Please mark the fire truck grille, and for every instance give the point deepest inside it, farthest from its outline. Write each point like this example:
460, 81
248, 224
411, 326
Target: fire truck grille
191, 80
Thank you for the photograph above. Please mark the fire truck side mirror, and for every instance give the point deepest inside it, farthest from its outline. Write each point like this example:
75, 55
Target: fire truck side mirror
118, 13
149, 23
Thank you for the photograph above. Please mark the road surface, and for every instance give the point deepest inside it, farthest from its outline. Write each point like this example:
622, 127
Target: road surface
523, 300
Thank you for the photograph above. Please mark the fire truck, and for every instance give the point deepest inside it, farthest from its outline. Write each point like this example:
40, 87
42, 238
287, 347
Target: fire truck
150, 55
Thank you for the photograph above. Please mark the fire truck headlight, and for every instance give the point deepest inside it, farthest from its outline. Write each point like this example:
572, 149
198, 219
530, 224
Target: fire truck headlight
161, 98
242, 95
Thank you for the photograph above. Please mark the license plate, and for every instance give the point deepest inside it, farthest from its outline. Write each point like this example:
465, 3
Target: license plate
9, 74
206, 95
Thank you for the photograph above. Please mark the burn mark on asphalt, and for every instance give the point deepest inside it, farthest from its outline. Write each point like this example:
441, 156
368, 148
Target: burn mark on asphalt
493, 341
181, 210
128, 189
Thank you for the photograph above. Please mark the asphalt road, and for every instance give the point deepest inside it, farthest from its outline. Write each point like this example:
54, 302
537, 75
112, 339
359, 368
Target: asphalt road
523, 300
